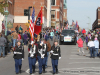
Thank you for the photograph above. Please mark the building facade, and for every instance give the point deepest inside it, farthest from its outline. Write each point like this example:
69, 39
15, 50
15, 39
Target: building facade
96, 23
56, 13
48, 13
65, 12
17, 10
21, 5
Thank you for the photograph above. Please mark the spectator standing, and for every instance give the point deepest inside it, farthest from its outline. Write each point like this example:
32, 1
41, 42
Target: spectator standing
51, 35
25, 39
20, 28
96, 43
58, 34
17, 28
87, 39
2, 45
9, 37
91, 48
15, 37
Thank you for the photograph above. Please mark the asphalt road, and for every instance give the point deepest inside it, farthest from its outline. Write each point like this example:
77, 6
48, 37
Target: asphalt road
70, 63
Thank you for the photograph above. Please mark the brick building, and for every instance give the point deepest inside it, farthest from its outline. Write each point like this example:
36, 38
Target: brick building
56, 13
65, 12
17, 7
96, 23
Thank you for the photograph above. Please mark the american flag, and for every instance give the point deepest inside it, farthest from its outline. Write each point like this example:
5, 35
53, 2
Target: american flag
33, 15
31, 27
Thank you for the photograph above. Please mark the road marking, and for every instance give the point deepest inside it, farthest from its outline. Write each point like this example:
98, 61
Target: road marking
27, 71
85, 63
84, 58
78, 52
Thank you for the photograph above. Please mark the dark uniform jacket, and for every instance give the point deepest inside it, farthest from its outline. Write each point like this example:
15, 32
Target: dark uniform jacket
32, 51
20, 52
44, 50
56, 52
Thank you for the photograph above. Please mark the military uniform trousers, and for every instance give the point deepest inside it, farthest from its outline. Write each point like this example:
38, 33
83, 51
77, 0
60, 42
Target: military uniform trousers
40, 63
44, 63
54, 64
32, 62
18, 64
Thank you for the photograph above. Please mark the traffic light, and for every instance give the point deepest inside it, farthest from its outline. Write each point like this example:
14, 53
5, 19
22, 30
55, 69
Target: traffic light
26, 12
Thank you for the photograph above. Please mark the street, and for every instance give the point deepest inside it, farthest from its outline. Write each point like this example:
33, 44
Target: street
69, 64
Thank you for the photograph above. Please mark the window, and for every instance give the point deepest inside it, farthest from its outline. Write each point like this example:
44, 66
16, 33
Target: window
26, 12
52, 2
53, 14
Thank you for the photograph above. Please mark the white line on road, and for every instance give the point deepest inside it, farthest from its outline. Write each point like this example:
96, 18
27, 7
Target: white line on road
84, 58
85, 63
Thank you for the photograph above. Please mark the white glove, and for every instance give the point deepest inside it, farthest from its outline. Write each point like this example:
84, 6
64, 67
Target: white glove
22, 58
32, 55
15, 53
59, 57
51, 51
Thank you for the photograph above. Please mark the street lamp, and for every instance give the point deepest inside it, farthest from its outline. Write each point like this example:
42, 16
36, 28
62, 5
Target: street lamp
89, 23
6, 15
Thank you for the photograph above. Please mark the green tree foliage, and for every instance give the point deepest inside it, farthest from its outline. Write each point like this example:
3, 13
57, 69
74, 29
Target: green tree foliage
3, 3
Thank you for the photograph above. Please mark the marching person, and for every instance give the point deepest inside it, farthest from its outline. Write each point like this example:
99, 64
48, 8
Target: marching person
18, 57
42, 54
55, 56
32, 56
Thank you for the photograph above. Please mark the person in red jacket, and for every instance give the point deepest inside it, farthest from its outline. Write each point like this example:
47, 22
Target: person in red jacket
83, 31
80, 45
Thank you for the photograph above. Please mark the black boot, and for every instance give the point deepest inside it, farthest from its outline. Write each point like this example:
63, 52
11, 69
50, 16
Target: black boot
33, 69
43, 69
56, 69
20, 68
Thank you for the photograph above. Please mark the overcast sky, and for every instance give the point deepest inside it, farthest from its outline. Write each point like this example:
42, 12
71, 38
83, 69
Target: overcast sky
80, 10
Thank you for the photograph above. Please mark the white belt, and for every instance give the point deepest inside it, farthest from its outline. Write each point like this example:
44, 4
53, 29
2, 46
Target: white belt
55, 54
18, 53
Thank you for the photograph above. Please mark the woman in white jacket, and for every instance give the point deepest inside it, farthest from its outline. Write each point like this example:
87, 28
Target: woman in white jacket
91, 48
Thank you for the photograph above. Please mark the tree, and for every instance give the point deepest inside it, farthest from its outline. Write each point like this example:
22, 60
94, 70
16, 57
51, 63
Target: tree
3, 4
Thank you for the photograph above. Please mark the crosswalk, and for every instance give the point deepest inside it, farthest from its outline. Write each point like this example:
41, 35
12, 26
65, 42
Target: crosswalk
76, 59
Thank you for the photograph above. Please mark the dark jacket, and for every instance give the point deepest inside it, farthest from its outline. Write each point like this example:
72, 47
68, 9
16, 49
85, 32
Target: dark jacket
31, 49
56, 50
21, 50
43, 52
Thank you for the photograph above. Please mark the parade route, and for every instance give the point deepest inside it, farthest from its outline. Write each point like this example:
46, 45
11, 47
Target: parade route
70, 64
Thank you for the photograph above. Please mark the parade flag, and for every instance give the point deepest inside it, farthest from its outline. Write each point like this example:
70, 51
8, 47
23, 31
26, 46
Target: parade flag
76, 26
73, 23
38, 24
66, 26
31, 27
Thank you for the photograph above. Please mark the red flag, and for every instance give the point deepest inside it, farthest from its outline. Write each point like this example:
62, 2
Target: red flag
38, 23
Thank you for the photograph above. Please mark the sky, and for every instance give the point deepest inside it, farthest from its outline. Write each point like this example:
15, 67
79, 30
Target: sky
83, 11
